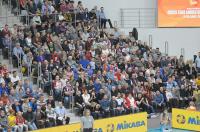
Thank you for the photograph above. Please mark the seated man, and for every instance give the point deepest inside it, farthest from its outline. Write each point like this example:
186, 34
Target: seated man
105, 105
61, 113
103, 19
113, 106
79, 103
18, 54
158, 101
51, 115
29, 116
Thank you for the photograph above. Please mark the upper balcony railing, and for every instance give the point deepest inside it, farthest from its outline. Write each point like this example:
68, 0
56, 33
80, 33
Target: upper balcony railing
138, 17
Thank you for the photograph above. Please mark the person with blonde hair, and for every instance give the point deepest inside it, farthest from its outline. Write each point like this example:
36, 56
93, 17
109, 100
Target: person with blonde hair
192, 106
165, 121
12, 121
20, 122
87, 121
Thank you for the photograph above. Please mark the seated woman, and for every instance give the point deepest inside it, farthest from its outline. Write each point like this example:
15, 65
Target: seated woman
12, 120
20, 122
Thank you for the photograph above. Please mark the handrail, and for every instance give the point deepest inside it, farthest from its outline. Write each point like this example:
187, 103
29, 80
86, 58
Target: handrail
150, 40
137, 8
138, 17
54, 15
166, 48
183, 52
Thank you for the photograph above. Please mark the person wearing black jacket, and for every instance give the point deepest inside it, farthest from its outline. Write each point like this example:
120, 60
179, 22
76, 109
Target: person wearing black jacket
29, 116
79, 102
17, 106
183, 97
51, 101
113, 106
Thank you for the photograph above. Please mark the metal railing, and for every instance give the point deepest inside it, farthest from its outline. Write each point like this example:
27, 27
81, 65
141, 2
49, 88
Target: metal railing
1, 55
26, 19
183, 52
166, 48
150, 40
138, 17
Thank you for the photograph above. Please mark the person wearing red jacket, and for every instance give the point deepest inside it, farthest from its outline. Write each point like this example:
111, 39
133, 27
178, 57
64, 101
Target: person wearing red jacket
130, 104
20, 122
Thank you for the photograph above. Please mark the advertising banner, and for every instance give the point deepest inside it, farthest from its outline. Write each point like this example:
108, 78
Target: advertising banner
178, 13
185, 119
127, 123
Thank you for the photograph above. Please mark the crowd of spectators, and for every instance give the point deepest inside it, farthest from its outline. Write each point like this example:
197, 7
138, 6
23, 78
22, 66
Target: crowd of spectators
85, 66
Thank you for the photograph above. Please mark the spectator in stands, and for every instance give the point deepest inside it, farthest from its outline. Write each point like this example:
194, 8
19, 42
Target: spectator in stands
103, 19
51, 115
109, 73
192, 106
57, 85
3, 121
79, 102
61, 113
20, 121
36, 20
29, 116
41, 117
12, 121
18, 54
197, 61
105, 105
158, 101
17, 106
68, 93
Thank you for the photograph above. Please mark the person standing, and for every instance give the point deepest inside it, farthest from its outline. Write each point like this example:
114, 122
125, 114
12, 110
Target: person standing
87, 121
197, 62
165, 121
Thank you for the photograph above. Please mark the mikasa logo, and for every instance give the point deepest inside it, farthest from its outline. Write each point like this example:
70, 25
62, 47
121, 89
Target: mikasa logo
127, 125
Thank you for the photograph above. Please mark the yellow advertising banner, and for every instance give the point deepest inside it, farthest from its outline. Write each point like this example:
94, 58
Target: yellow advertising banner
127, 123
185, 119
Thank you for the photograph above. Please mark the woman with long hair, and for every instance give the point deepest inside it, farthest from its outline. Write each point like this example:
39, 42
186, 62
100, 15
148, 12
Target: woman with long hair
165, 121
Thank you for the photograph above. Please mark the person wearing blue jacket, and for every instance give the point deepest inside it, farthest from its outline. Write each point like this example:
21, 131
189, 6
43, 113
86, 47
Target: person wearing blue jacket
105, 105
4, 89
97, 86
158, 101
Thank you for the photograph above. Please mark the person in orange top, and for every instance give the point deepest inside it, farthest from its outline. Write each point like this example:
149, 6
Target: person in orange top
5, 98
118, 74
192, 106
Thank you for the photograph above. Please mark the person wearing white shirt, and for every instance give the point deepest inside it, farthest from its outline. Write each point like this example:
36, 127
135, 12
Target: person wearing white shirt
1, 79
92, 64
61, 113
120, 102
197, 61
103, 19
14, 78
57, 88
36, 20
133, 104
86, 98
85, 35
51, 115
